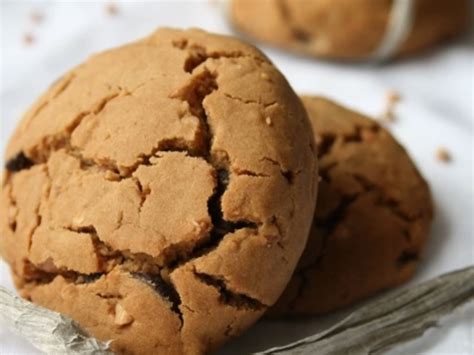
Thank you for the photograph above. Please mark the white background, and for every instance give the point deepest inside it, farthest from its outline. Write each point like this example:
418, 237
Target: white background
436, 110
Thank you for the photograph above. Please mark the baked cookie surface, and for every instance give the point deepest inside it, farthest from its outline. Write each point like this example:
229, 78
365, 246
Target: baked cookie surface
372, 217
161, 193
346, 29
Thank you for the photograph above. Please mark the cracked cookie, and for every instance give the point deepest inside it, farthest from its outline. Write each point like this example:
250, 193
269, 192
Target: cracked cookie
372, 217
347, 29
146, 196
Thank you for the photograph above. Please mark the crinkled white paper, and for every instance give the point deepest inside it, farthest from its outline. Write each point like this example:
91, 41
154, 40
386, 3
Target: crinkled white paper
392, 320
50, 332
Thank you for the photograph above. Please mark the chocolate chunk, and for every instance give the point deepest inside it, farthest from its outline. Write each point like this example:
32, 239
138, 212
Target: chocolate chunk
91, 277
406, 257
19, 162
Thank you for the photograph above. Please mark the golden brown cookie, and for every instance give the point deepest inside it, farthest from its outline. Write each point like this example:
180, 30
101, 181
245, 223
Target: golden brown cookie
346, 29
372, 217
161, 193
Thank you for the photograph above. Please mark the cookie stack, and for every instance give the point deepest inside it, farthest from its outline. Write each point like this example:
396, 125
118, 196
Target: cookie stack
162, 193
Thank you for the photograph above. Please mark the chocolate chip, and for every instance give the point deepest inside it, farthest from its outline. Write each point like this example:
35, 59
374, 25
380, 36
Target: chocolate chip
18, 163
301, 35
92, 277
289, 176
443, 155
407, 256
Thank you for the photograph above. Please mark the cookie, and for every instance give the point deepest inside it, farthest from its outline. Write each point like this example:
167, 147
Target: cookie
372, 217
161, 193
351, 29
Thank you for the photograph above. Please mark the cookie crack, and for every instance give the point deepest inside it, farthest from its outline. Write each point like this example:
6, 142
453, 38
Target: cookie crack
246, 172
195, 93
126, 172
126, 259
407, 256
61, 89
109, 258
230, 327
228, 296
287, 174
250, 102
384, 200
41, 153
327, 143
47, 271
39, 217
144, 192
199, 54
164, 288
328, 225
220, 226
51, 143
274, 222
62, 140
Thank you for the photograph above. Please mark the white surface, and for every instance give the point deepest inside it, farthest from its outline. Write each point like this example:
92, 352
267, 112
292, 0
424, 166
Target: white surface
436, 110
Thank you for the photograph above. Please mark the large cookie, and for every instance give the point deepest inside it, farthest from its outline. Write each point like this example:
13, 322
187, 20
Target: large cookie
349, 29
372, 217
161, 193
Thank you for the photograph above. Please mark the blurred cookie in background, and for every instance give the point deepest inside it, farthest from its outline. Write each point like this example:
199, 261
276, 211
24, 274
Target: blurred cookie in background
372, 217
352, 29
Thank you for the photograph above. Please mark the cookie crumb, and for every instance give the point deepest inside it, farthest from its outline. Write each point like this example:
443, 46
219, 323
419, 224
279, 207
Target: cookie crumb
36, 17
111, 9
78, 220
160, 260
28, 39
165, 275
264, 76
122, 318
199, 226
392, 98
388, 116
272, 240
443, 155
111, 176
268, 121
